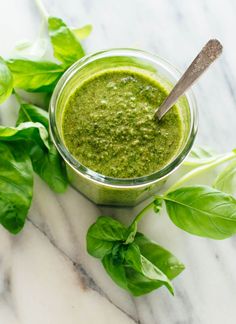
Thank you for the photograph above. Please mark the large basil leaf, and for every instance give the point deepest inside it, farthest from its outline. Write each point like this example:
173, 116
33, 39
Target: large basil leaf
226, 180
202, 211
66, 46
47, 162
40, 76
6, 81
16, 186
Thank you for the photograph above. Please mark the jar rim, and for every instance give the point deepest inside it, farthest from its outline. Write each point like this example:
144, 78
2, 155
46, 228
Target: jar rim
100, 178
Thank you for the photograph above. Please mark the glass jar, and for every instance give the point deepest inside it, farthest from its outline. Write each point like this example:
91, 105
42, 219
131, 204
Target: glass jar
98, 188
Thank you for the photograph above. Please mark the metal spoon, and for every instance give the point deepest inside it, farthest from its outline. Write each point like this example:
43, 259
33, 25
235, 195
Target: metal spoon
209, 53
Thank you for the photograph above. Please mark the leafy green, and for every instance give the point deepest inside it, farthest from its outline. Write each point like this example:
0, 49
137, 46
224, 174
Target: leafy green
66, 45
159, 256
29, 132
16, 186
32, 113
49, 166
200, 155
6, 81
226, 180
109, 229
142, 275
102, 234
44, 156
117, 272
132, 230
35, 76
203, 211
135, 273
46, 161
82, 32
130, 258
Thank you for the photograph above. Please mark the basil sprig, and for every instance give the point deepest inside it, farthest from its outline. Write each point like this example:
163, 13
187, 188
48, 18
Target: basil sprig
138, 265
25, 148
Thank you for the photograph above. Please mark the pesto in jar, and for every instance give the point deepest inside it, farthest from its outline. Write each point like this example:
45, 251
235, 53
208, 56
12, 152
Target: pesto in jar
108, 124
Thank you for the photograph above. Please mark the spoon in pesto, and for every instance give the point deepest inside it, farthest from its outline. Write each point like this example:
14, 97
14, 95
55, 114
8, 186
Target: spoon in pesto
209, 53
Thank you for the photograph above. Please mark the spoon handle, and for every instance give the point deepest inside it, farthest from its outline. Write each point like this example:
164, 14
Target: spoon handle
209, 53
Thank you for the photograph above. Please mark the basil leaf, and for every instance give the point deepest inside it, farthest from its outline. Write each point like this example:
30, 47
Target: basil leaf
40, 76
29, 132
118, 253
132, 271
132, 230
46, 161
49, 166
226, 180
102, 235
98, 248
200, 155
131, 260
140, 285
66, 46
109, 229
136, 274
202, 211
82, 32
6, 81
16, 186
117, 272
142, 275
160, 257
32, 113
133, 257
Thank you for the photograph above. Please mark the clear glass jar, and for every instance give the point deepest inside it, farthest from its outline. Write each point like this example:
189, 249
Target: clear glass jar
97, 187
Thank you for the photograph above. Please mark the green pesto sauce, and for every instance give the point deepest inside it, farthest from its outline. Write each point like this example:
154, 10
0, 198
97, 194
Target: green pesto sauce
108, 124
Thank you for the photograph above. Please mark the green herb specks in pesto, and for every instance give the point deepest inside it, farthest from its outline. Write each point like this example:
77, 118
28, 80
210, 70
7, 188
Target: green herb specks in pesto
109, 125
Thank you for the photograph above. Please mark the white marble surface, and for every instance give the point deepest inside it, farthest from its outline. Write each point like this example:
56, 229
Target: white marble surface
46, 276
